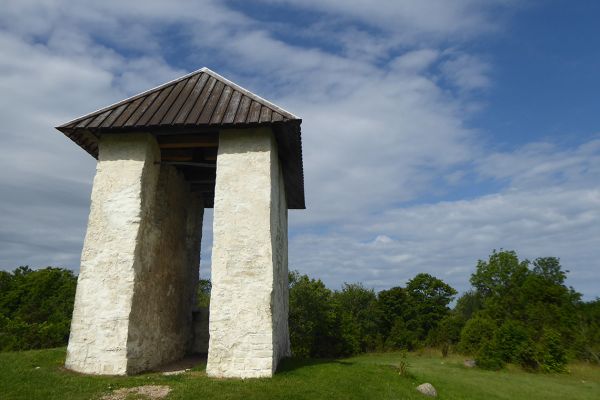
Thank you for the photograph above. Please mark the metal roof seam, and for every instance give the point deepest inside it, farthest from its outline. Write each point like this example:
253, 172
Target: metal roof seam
160, 103
249, 93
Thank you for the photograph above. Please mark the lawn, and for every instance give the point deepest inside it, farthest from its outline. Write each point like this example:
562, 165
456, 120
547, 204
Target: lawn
39, 374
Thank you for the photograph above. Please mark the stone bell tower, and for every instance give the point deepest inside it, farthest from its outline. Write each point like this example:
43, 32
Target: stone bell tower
164, 155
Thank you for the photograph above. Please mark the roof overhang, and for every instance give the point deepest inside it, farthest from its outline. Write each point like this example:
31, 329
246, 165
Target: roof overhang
200, 103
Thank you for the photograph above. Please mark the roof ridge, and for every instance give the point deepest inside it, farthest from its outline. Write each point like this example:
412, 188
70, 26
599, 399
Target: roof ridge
206, 70
248, 93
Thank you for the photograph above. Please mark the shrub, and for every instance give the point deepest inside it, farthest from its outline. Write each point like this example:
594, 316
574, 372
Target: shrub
552, 354
358, 313
36, 308
488, 356
401, 337
312, 318
476, 332
511, 340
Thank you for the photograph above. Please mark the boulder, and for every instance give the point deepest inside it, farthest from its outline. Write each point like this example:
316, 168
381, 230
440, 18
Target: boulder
427, 389
469, 363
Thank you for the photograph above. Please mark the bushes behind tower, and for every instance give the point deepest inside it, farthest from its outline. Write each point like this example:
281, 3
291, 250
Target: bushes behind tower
517, 312
35, 307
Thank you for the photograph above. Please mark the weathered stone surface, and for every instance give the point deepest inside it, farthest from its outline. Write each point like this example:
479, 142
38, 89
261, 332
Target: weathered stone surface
427, 389
160, 321
133, 307
249, 298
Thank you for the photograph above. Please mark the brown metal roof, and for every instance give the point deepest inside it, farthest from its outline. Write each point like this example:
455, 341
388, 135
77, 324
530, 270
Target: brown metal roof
199, 103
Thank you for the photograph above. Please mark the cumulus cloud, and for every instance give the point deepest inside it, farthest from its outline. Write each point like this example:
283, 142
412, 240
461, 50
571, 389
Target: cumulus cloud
385, 95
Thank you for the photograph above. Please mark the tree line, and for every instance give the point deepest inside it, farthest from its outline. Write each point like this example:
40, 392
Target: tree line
517, 311
35, 307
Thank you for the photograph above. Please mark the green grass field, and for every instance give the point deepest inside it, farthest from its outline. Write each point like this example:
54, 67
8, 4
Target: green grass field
39, 375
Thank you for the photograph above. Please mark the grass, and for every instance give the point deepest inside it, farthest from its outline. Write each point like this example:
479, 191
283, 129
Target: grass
39, 375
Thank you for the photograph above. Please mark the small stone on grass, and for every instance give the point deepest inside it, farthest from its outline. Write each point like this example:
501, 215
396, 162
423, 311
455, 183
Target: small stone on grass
427, 389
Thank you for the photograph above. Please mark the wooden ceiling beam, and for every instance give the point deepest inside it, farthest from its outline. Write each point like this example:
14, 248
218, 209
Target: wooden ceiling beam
189, 144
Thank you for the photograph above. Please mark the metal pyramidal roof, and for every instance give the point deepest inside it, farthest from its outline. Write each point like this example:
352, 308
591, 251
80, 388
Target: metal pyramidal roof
202, 102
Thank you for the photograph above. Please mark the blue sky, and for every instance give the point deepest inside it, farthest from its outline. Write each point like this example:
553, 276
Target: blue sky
434, 131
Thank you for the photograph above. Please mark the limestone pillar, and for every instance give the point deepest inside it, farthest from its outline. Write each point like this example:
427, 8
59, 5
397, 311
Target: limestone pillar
133, 305
249, 297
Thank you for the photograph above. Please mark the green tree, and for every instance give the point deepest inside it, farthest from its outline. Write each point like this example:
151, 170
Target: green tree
447, 333
534, 312
312, 320
393, 304
478, 331
356, 306
428, 303
468, 305
511, 341
203, 293
587, 342
498, 281
36, 307
401, 337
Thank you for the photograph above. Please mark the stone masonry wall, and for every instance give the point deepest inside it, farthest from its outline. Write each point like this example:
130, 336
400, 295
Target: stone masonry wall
133, 307
164, 293
279, 233
248, 329
125, 175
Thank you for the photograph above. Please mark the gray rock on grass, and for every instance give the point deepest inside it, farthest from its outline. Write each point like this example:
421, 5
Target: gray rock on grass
427, 389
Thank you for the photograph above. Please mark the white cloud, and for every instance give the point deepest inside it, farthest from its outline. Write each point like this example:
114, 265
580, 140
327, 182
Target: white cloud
415, 19
543, 164
385, 123
447, 238
466, 71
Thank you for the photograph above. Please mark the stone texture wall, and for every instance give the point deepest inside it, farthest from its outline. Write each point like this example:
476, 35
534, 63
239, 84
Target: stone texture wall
280, 295
248, 308
161, 327
133, 306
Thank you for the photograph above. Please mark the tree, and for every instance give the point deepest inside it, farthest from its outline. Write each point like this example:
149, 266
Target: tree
203, 293
356, 306
587, 343
393, 304
312, 319
498, 280
534, 313
468, 305
36, 307
476, 332
428, 299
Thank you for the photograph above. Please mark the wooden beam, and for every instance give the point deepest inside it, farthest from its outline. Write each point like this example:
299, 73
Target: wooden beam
189, 164
188, 145
187, 141
177, 158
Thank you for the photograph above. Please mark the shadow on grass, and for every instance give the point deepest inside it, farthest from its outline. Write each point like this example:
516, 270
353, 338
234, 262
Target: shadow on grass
292, 364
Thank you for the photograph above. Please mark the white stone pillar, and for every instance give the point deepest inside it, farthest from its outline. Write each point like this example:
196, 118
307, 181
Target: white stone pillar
133, 302
249, 297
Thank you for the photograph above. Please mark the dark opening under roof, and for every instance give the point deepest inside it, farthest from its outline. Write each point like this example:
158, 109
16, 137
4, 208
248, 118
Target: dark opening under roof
198, 104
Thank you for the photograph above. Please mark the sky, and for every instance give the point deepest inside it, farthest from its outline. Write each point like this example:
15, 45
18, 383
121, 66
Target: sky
434, 131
